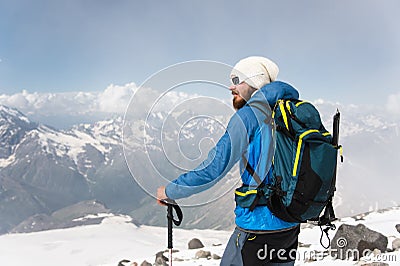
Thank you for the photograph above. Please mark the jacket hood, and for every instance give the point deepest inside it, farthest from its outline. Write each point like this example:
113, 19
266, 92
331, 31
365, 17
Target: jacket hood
271, 93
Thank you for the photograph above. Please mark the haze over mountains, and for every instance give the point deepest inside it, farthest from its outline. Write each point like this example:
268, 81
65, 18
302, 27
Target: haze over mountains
44, 169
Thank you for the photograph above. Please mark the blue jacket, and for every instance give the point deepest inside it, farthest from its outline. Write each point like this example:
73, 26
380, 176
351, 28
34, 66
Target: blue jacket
246, 135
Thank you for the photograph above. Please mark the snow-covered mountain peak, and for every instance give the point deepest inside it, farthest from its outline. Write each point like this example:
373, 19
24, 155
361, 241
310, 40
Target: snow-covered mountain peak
12, 117
13, 126
110, 129
8, 112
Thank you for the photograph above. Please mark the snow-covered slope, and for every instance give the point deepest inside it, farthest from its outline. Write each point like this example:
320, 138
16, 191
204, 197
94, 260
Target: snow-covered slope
116, 238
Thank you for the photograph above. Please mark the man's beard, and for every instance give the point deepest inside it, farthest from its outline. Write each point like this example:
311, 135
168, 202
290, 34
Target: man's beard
238, 102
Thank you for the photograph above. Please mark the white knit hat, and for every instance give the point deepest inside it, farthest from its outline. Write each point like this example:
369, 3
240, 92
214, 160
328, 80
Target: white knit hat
256, 71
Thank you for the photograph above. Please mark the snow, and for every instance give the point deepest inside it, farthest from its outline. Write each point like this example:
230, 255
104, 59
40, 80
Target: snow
73, 143
68, 144
13, 112
7, 161
382, 221
105, 244
116, 238
93, 216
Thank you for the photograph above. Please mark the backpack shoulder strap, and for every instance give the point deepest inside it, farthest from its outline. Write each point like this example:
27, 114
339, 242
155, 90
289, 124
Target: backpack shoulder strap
251, 171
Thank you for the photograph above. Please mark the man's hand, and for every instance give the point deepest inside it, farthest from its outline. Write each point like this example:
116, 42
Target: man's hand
161, 196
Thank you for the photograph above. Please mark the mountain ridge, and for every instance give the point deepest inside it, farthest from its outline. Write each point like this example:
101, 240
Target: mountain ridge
44, 169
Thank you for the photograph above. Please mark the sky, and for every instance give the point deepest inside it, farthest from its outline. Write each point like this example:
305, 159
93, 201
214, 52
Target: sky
341, 51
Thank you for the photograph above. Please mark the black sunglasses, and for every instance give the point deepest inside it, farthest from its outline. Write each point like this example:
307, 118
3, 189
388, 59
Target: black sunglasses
236, 81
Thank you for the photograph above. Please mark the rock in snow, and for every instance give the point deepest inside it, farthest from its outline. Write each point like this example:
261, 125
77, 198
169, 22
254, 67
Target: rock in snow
349, 238
195, 243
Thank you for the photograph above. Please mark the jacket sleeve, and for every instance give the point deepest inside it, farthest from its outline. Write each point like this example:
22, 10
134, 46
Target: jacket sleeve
220, 159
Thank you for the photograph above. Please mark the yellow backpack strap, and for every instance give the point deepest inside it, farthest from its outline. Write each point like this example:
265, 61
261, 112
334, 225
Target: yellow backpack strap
287, 103
300, 103
298, 150
284, 114
340, 153
243, 194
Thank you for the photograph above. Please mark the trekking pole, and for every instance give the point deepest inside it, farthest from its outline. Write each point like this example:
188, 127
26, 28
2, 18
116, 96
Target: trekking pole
335, 138
171, 205
336, 121
329, 214
170, 245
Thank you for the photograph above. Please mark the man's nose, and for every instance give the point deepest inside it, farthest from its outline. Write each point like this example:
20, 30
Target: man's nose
232, 87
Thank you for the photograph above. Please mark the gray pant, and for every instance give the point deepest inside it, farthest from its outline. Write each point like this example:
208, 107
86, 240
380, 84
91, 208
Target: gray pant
232, 254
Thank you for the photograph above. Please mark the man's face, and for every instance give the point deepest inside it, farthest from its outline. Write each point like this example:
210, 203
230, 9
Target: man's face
241, 94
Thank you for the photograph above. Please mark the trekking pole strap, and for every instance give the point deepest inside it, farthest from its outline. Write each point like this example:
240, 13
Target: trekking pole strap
178, 212
172, 205
326, 232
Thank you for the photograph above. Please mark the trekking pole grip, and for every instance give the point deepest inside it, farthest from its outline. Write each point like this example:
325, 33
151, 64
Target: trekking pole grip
171, 206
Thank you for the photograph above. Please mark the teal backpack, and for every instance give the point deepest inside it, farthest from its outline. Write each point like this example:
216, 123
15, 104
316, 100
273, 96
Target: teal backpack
304, 167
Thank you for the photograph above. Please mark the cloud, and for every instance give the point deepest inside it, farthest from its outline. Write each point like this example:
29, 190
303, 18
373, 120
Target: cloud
393, 103
64, 109
113, 99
